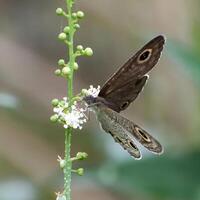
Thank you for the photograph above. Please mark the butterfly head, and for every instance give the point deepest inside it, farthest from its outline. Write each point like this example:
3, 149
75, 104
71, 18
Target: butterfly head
90, 100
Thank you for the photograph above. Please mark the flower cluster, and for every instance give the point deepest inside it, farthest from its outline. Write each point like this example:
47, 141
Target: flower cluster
72, 115
91, 91
69, 116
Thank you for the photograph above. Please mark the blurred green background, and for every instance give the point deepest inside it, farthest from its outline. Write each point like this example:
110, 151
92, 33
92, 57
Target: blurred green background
169, 107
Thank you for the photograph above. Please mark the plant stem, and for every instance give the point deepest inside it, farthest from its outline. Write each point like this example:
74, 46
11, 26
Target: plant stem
68, 165
68, 132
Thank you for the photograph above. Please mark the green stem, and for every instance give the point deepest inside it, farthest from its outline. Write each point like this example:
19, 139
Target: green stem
68, 165
68, 132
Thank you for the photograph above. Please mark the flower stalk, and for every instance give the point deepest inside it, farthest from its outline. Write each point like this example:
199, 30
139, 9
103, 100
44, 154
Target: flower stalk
67, 112
68, 133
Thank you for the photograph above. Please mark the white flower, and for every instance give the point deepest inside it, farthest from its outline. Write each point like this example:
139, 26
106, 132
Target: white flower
93, 91
70, 117
60, 196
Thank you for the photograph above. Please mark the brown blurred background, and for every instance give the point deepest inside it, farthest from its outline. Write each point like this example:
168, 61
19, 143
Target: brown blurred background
169, 107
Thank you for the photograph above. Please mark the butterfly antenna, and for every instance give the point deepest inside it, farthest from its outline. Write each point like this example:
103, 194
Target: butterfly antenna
93, 104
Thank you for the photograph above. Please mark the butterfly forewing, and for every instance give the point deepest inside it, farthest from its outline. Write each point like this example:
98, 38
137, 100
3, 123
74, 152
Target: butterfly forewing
132, 72
122, 97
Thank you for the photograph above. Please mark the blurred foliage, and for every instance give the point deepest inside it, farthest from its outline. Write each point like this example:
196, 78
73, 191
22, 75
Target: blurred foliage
160, 178
185, 56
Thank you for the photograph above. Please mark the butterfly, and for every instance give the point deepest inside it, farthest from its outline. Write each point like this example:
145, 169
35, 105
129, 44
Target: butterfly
119, 92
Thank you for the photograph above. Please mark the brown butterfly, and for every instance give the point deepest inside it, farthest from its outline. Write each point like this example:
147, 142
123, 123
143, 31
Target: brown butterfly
122, 89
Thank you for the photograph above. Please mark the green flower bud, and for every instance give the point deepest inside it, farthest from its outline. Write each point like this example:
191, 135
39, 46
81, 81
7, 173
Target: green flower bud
57, 72
62, 103
66, 70
76, 26
84, 91
59, 11
79, 47
62, 163
62, 36
75, 66
61, 62
81, 155
74, 15
88, 51
80, 14
54, 102
66, 29
61, 119
54, 118
80, 171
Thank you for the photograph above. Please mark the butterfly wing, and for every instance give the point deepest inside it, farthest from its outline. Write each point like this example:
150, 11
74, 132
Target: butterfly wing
126, 94
129, 80
125, 131
148, 141
118, 133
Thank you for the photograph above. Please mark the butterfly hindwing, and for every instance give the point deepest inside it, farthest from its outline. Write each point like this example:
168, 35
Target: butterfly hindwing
127, 143
145, 139
119, 126
118, 133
